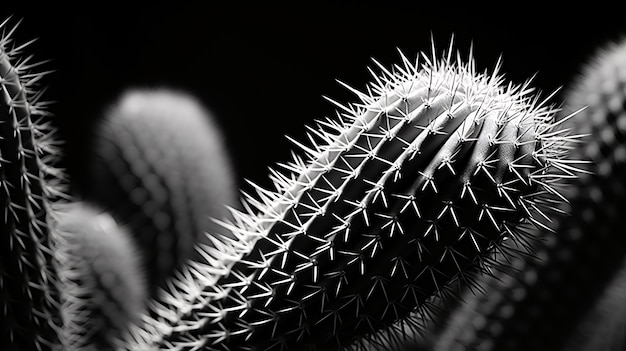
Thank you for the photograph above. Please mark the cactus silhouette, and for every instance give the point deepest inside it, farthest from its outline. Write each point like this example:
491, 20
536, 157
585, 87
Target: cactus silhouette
160, 167
103, 285
540, 308
408, 191
29, 306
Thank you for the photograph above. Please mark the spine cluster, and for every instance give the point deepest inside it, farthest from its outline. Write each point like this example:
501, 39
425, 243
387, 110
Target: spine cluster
29, 299
410, 189
439, 181
542, 306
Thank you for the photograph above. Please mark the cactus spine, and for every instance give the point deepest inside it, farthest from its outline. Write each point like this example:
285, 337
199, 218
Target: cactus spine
409, 190
103, 285
29, 306
160, 168
536, 308
541, 307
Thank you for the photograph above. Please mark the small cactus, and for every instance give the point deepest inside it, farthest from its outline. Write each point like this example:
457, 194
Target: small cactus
541, 307
103, 285
408, 191
160, 168
29, 305
601, 89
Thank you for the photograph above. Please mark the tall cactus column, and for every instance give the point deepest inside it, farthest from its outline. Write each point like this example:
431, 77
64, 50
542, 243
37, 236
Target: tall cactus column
410, 189
29, 310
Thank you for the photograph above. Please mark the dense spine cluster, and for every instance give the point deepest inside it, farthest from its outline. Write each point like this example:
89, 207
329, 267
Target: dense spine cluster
103, 285
437, 182
409, 190
29, 306
540, 307
159, 166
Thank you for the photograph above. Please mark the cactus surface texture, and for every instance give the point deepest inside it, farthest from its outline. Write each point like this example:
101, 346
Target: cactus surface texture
407, 191
160, 167
540, 308
103, 285
29, 305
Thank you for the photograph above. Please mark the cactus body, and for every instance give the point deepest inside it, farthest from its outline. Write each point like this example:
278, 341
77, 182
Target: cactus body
601, 89
29, 312
541, 307
409, 190
160, 168
99, 267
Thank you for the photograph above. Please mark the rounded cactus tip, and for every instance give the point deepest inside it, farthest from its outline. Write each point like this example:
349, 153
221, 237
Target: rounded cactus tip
104, 287
407, 192
161, 167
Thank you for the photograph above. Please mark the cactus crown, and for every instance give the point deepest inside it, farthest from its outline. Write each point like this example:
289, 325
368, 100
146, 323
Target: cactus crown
409, 189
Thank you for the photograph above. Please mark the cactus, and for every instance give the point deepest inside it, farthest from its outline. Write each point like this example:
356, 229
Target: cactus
409, 191
29, 182
601, 88
160, 168
541, 308
103, 286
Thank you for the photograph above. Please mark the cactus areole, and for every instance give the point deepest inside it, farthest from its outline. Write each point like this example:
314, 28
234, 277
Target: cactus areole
406, 191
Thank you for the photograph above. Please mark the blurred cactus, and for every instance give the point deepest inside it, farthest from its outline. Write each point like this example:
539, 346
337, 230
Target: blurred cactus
103, 285
601, 87
29, 305
541, 307
160, 167
604, 326
409, 191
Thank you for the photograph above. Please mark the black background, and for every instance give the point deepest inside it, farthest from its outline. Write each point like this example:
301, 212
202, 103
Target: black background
262, 67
